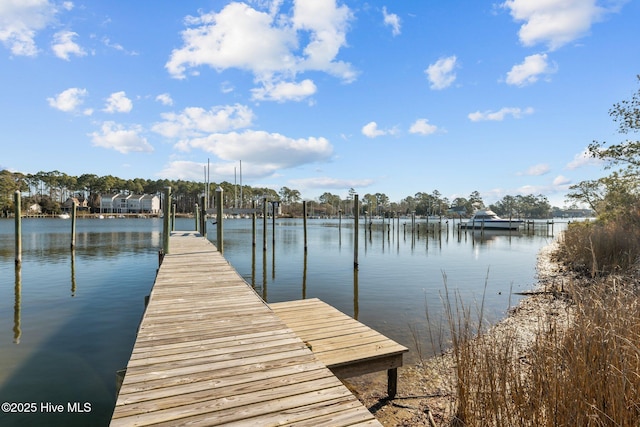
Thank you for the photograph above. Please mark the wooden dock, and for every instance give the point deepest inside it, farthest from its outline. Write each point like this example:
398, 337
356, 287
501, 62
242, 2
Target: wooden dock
210, 352
347, 347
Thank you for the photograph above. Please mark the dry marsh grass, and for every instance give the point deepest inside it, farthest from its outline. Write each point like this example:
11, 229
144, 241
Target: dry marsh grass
580, 370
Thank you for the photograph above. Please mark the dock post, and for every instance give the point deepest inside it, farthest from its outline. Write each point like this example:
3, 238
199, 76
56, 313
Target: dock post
196, 216
274, 205
253, 224
73, 225
304, 222
203, 216
173, 217
264, 223
166, 220
356, 216
17, 197
219, 219
392, 382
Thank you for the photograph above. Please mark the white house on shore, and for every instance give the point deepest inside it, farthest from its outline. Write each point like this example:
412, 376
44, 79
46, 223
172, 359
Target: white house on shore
129, 203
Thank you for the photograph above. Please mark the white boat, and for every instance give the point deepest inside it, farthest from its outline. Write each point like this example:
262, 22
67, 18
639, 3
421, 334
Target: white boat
64, 216
487, 219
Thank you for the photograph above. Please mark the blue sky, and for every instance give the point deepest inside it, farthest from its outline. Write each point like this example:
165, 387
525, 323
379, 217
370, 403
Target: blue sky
318, 95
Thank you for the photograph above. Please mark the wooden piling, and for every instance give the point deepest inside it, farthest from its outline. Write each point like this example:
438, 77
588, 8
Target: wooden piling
203, 216
73, 224
356, 216
166, 220
173, 217
273, 224
264, 224
304, 222
253, 225
219, 220
196, 216
17, 197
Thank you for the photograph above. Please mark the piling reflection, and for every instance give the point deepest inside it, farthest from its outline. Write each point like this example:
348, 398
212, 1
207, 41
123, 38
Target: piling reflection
73, 272
253, 266
304, 276
356, 307
264, 275
17, 304
273, 263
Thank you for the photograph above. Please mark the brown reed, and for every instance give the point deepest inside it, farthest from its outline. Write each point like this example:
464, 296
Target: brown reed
584, 372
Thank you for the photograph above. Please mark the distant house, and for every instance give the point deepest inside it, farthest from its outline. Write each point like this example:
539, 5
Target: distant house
81, 204
457, 210
34, 209
129, 203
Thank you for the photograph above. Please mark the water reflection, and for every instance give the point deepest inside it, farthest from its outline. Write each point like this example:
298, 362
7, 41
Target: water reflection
73, 272
17, 304
304, 276
356, 305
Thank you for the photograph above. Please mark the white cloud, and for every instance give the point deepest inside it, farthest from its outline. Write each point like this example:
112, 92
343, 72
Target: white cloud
328, 182
271, 45
285, 91
561, 180
164, 99
441, 73
272, 151
116, 137
392, 20
226, 87
423, 127
118, 103
197, 122
117, 46
63, 45
556, 23
499, 115
20, 21
68, 100
220, 171
536, 170
583, 159
371, 130
529, 71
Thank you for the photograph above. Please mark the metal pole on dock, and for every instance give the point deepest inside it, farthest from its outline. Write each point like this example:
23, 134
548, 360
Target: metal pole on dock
73, 224
219, 219
17, 197
166, 220
356, 216
304, 222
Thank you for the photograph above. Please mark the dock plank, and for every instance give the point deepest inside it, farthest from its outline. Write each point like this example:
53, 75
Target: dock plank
346, 346
210, 351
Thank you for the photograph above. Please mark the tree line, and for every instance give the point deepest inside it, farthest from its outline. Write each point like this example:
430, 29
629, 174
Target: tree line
51, 189
616, 196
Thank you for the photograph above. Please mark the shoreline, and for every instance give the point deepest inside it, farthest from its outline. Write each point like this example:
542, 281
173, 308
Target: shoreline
426, 390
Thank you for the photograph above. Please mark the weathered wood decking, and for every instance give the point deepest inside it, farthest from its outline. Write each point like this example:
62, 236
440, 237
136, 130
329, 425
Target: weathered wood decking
347, 347
210, 352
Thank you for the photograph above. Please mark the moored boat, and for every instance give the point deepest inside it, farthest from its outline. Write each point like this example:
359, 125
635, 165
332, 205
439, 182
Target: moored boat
487, 219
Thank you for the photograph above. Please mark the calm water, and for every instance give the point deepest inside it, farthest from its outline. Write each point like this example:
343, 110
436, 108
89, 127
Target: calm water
68, 320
